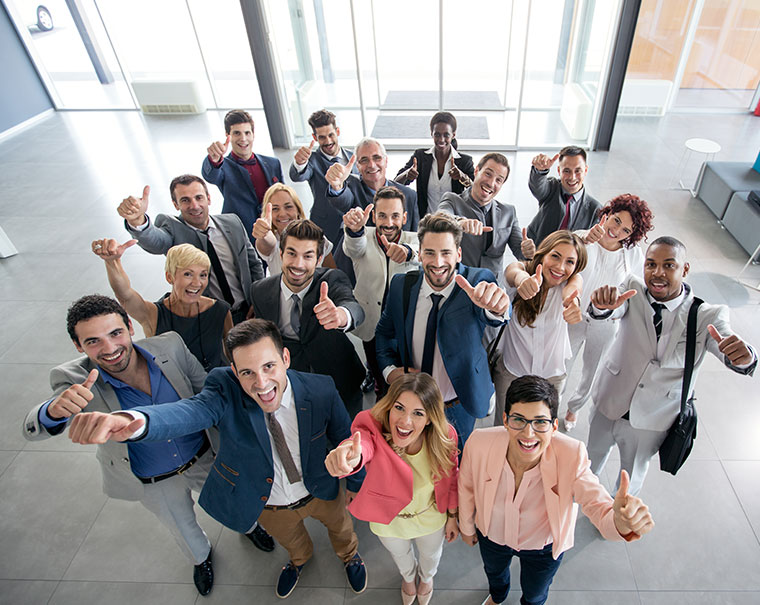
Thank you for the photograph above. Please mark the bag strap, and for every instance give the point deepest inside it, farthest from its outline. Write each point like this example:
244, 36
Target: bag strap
691, 345
409, 279
495, 343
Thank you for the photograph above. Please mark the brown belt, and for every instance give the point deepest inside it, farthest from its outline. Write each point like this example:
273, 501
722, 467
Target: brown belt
297, 504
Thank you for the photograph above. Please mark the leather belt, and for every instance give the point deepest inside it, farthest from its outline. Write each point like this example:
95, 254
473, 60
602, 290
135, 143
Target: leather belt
451, 402
297, 504
181, 469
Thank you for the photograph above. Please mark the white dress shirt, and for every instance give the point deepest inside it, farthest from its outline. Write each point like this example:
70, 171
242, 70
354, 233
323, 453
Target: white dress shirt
286, 304
437, 186
342, 159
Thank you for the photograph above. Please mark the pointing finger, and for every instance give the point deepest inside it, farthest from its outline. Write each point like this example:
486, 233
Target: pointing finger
714, 333
91, 378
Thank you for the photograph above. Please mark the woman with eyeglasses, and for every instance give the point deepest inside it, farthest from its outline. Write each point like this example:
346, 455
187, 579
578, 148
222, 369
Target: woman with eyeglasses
518, 488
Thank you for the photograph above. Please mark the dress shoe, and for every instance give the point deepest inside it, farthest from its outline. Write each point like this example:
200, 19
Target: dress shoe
203, 576
407, 599
356, 574
288, 579
261, 539
369, 383
424, 599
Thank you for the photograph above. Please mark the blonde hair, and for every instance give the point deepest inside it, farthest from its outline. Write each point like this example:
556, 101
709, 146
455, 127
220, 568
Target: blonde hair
441, 448
293, 196
183, 256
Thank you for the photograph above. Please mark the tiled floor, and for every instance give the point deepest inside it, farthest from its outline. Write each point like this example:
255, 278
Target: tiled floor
62, 541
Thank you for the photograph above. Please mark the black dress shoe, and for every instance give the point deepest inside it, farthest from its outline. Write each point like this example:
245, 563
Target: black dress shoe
203, 576
369, 383
261, 539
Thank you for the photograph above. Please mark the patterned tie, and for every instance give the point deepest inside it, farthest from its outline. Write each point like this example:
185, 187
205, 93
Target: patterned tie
282, 449
566, 220
430, 330
295, 315
657, 319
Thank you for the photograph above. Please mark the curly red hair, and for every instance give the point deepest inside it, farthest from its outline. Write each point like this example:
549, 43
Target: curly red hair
640, 213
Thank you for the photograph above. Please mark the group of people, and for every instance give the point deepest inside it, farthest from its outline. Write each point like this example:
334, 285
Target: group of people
248, 389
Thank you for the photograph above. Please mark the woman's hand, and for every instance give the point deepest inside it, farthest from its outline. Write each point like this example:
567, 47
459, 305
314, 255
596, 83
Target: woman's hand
109, 249
452, 529
531, 285
469, 540
344, 458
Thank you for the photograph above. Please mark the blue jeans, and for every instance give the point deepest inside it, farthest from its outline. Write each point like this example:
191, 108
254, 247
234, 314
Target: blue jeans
537, 569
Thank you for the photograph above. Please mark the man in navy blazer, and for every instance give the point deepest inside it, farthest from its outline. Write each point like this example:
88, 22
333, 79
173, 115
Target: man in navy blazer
274, 426
412, 336
242, 177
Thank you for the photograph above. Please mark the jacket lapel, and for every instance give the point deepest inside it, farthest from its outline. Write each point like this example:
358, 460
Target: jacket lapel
258, 423
414, 295
548, 467
173, 374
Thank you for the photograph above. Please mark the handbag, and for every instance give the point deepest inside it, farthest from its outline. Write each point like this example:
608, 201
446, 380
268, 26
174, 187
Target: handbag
681, 435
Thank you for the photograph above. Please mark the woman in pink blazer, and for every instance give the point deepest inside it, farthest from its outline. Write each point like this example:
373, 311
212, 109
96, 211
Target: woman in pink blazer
410, 491
518, 488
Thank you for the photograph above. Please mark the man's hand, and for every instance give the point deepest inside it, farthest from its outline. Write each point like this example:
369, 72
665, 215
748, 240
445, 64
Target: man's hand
473, 226
133, 210
458, 175
263, 224
608, 297
527, 245
74, 399
109, 249
733, 347
304, 153
572, 308
486, 295
531, 285
543, 162
396, 252
631, 514
337, 174
356, 218
217, 149
344, 458
469, 540
411, 174
96, 427
452, 529
328, 315
596, 232
399, 372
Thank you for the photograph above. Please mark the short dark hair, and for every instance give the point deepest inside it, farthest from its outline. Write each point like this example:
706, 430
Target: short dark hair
320, 118
390, 193
87, 307
667, 240
443, 117
236, 116
494, 157
185, 180
250, 332
440, 222
527, 389
303, 229
572, 150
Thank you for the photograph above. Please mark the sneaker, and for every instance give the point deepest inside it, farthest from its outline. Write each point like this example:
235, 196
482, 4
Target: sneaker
356, 574
288, 579
203, 576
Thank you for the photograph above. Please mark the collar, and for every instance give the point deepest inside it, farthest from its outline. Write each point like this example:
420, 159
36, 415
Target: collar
289, 293
577, 196
287, 396
672, 304
374, 191
467, 195
252, 161
210, 227
426, 289
330, 158
116, 383
454, 153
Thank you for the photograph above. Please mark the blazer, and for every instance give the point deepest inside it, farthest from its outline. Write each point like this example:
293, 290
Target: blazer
551, 207
322, 212
234, 181
374, 270
566, 476
240, 481
388, 485
632, 378
169, 231
317, 350
461, 324
487, 250
178, 365
425, 162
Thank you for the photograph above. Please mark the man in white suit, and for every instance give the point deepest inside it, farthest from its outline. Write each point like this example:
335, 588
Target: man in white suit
637, 393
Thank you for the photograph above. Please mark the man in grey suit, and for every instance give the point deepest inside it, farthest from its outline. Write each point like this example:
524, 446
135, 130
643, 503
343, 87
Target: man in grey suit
637, 393
235, 265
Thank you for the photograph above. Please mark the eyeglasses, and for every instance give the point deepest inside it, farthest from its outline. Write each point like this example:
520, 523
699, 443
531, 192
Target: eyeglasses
540, 425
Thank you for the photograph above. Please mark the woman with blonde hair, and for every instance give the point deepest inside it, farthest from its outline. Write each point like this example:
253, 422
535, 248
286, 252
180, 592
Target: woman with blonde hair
410, 492
202, 322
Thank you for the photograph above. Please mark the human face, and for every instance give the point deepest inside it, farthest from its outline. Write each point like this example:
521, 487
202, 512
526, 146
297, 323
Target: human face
241, 139
284, 210
299, 261
559, 264
107, 341
262, 372
192, 201
408, 419
439, 256
442, 137
188, 283
526, 446
371, 164
664, 270
389, 217
327, 137
617, 228
488, 181
572, 171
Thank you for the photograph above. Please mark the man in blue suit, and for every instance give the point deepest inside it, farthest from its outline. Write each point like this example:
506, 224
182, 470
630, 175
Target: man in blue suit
274, 426
433, 322
242, 177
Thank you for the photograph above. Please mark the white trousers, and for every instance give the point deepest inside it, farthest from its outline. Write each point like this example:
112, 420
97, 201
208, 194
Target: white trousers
503, 378
429, 549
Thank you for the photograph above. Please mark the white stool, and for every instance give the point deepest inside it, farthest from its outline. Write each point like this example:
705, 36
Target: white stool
705, 146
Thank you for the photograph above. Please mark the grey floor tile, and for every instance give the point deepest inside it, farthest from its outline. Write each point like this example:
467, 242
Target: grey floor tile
699, 598
28, 592
123, 593
54, 350
743, 476
264, 595
16, 317
6, 457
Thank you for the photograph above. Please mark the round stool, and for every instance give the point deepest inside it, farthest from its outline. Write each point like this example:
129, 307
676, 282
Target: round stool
704, 146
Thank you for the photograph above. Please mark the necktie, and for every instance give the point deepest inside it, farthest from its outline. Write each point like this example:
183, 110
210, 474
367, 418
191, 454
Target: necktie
282, 449
566, 220
216, 265
295, 314
657, 319
430, 330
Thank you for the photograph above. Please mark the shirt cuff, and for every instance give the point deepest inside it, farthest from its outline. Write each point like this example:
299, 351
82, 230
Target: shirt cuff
139, 433
142, 227
598, 313
46, 420
300, 167
215, 164
349, 319
387, 372
744, 366
332, 193
493, 317
409, 253
350, 233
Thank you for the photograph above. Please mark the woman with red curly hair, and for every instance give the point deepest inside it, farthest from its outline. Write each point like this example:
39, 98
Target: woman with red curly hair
613, 254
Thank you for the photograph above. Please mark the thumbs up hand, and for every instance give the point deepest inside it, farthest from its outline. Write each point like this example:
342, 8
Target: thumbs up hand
109, 249
411, 174
544, 162
527, 245
631, 515
608, 297
572, 308
486, 295
133, 209
458, 175
96, 427
356, 218
304, 153
217, 149
337, 174
329, 316
344, 459
733, 347
531, 285
74, 399
396, 252
473, 226
263, 224
596, 232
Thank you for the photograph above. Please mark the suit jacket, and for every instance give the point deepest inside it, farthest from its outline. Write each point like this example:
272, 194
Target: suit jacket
551, 207
178, 365
169, 231
459, 334
487, 250
322, 212
425, 162
317, 350
234, 182
241, 479
373, 267
566, 476
632, 378
389, 484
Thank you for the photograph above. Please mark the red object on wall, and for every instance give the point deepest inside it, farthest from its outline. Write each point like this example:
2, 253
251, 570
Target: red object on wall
757, 109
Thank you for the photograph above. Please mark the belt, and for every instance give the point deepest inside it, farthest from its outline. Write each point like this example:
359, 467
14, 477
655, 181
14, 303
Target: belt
297, 504
451, 402
413, 515
181, 469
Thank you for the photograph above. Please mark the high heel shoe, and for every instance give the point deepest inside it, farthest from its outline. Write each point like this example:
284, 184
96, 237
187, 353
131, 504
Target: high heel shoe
407, 599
